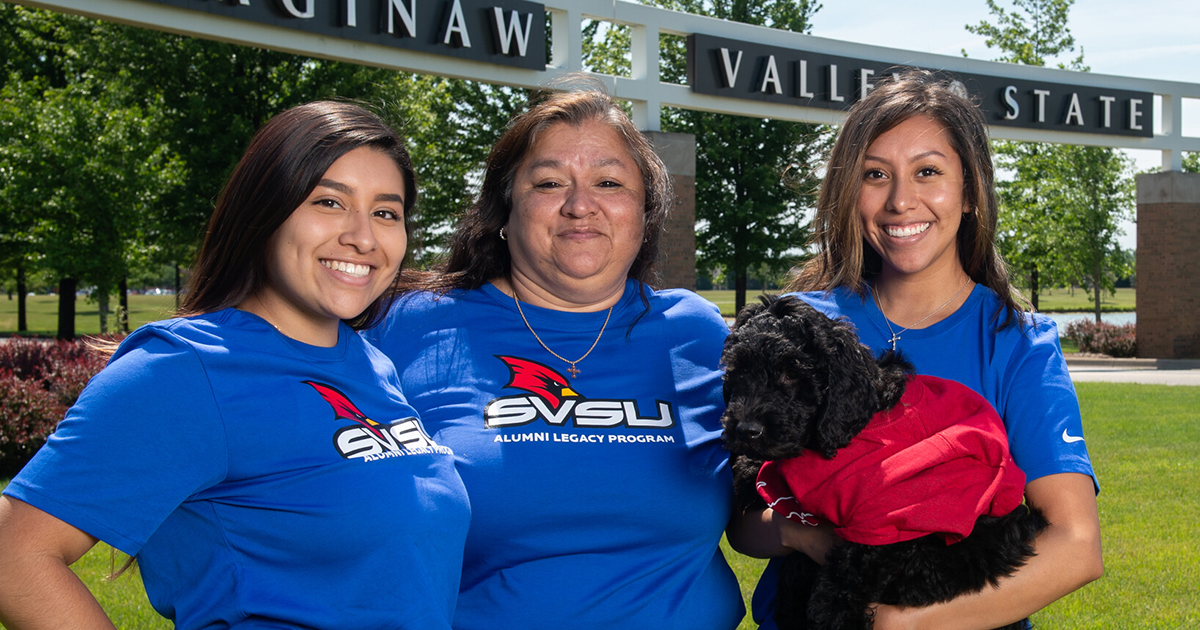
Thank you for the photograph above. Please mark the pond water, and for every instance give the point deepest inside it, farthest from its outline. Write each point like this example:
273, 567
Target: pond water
1117, 319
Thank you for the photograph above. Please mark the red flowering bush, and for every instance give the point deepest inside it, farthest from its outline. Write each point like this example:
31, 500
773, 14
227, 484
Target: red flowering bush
39, 381
1102, 338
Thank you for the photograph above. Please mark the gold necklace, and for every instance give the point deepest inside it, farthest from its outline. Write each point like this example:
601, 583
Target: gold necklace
896, 335
575, 372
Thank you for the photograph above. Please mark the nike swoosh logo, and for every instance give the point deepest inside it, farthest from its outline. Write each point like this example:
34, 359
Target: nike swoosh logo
1071, 439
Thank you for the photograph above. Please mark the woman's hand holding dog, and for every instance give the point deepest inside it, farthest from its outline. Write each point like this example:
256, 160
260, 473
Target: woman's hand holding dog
768, 534
1068, 556
815, 541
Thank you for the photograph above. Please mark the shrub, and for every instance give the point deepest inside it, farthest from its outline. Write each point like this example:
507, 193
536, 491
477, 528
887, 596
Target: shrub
28, 413
39, 381
1102, 338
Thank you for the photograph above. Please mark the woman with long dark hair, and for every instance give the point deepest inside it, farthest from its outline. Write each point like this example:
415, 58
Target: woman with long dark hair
905, 250
254, 455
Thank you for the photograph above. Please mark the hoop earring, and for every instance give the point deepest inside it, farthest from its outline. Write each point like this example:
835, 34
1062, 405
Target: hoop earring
503, 236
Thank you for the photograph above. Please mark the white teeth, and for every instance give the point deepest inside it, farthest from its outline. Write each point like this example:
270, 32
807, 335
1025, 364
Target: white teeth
901, 231
350, 269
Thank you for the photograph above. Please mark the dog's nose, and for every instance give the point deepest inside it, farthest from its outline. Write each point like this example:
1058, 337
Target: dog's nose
750, 430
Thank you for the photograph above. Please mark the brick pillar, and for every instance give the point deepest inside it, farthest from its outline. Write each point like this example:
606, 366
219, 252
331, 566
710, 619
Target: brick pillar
677, 250
1168, 255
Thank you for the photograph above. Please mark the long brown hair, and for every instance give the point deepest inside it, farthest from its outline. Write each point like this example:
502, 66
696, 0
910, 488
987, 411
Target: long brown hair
477, 253
281, 167
843, 258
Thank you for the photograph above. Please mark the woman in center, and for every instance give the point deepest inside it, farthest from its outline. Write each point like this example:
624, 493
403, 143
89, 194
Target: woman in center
582, 405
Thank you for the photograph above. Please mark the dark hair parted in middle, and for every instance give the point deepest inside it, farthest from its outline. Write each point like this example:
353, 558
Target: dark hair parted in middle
283, 164
477, 253
843, 257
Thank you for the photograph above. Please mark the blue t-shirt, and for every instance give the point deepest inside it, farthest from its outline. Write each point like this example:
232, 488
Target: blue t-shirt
260, 481
1020, 370
597, 501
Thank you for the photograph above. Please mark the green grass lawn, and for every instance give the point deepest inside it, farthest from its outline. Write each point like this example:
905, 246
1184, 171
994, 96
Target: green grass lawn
123, 597
1080, 301
41, 313
1056, 301
1145, 445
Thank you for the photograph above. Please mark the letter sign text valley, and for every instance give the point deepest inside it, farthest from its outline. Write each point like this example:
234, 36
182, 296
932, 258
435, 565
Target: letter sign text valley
726, 67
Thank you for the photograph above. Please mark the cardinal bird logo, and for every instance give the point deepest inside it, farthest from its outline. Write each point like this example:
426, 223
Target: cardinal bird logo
369, 439
343, 409
536, 378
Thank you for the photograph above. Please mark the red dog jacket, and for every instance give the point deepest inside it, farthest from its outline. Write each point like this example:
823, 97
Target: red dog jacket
932, 464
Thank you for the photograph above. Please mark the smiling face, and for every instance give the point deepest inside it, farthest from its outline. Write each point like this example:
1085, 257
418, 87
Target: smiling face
578, 217
337, 252
911, 201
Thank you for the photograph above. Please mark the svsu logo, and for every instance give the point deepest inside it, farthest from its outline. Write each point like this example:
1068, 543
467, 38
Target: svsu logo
367, 438
552, 400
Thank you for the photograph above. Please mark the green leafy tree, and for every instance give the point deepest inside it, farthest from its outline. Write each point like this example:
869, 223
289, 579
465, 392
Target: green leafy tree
178, 112
1191, 162
1095, 187
1029, 224
214, 96
85, 151
451, 126
755, 179
1032, 32
1041, 230
90, 167
218, 94
28, 64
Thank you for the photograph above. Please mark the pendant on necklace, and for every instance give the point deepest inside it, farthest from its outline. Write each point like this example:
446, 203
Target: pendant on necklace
574, 371
893, 340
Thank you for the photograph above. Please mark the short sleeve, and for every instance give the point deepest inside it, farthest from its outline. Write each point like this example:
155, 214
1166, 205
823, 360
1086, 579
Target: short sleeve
695, 333
143, 437
1041, 409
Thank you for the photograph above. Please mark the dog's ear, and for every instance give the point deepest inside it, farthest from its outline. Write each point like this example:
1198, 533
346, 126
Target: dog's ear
851, 397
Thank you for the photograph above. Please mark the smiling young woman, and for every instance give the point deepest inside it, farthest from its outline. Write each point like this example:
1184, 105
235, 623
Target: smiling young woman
904, 236
248, 452
337, 252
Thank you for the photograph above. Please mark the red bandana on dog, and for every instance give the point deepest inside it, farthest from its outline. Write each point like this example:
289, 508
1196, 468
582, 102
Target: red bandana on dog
934, 463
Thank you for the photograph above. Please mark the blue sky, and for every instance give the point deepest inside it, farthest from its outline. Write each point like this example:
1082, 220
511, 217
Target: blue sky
1158, 39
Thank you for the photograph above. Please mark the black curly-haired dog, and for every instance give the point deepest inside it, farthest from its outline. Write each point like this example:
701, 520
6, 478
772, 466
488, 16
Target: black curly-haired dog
797, 380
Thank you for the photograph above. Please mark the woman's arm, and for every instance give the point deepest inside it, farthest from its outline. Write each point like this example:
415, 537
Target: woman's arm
767, 534
37, 587
1068, 557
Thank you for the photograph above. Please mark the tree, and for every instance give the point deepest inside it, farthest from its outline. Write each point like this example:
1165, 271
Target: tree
1094, 186
90, 168
755, 178
27, 65
1191, 162
451, 126
1034, 31
1029, 223
1044, 226
84, 152
120, 138
218, 94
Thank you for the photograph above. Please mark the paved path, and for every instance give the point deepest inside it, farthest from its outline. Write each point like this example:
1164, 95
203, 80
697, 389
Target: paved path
1145, 371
